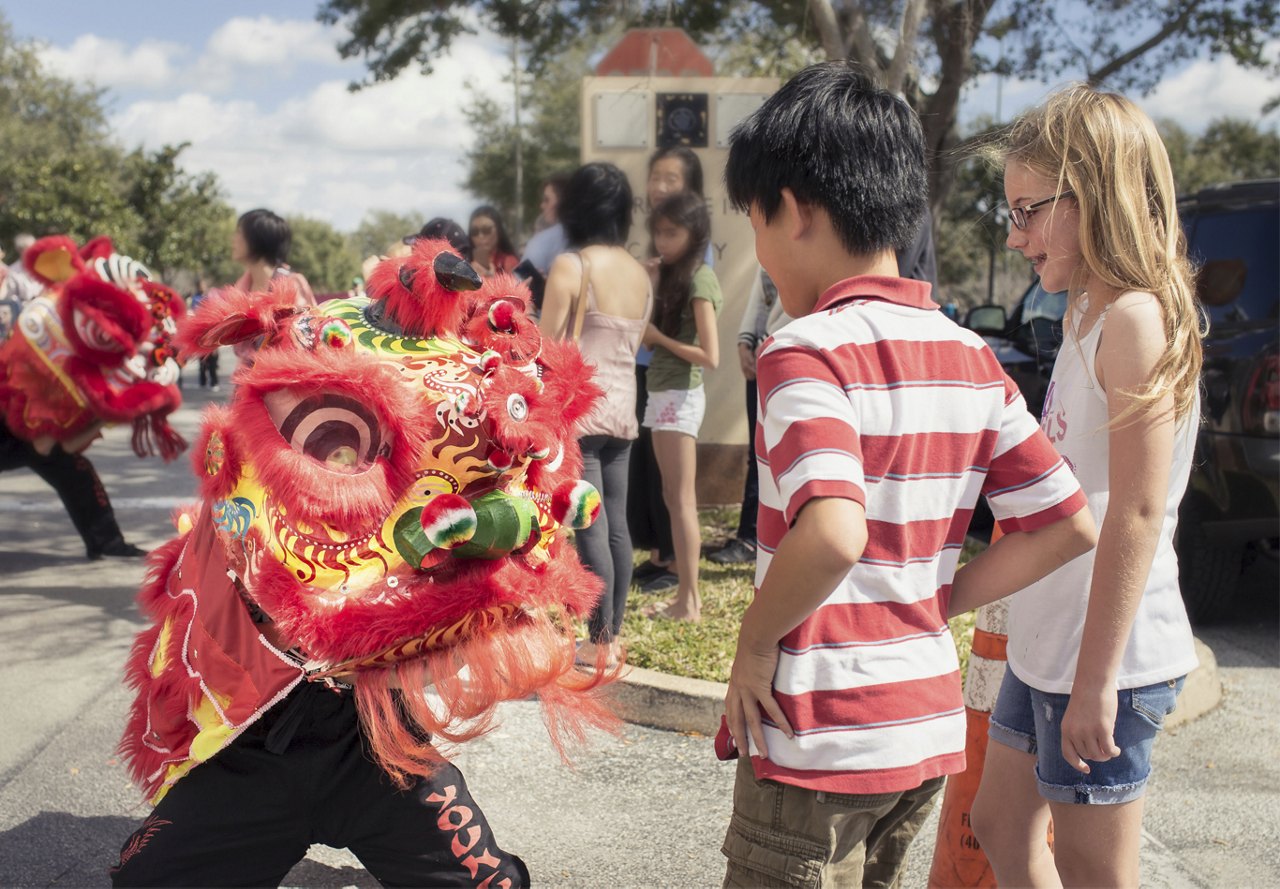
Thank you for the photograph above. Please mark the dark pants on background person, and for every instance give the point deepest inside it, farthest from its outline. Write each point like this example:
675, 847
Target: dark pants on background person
302, 774
76, 482
751, 487
209, 369
648, 521
605, 547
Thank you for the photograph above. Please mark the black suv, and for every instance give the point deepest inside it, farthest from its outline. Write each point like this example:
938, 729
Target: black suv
1231, 512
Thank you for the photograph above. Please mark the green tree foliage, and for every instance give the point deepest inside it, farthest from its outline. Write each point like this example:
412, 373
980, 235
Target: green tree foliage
380, 229
185, 222
60, 172
971, 230
927, 49
321, 253
1228, 150
550, 133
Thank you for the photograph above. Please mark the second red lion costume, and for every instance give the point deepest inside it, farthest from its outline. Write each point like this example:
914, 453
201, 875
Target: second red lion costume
93, 349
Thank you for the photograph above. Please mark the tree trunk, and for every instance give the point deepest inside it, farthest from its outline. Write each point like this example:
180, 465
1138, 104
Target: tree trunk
824, 19
956, 27
896, 77
519, 134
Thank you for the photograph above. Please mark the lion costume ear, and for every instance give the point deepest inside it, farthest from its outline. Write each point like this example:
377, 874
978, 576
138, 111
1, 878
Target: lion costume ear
231, 315
98, 248
53, 260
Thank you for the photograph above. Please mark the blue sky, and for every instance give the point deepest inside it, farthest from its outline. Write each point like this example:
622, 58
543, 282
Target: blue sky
260, 93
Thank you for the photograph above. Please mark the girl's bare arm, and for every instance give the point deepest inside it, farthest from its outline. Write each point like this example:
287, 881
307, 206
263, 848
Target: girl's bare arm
1141, 456
707, 353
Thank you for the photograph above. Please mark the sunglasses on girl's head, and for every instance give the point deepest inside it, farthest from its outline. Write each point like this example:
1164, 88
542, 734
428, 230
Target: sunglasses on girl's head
481, 230
1020, 217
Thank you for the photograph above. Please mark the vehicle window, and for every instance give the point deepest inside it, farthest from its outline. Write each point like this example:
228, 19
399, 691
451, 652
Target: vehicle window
1040, 304
1239, 272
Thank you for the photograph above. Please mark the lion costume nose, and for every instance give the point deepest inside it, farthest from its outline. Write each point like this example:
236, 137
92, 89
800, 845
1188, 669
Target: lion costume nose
488, 527
455, 273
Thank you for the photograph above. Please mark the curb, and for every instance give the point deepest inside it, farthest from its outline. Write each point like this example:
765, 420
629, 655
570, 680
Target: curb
678, 704
674, 703
1202, 691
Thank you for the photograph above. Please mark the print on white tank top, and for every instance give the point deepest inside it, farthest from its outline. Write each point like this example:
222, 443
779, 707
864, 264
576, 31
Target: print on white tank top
1046, 620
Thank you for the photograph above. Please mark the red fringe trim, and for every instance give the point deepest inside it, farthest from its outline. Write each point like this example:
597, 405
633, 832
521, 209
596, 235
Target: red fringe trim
406, 729
152, 436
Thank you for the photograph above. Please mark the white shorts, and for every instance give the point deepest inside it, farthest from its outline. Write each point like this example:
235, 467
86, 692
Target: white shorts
676, 410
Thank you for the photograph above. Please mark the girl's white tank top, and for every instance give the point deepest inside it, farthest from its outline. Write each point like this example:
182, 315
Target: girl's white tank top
1046, 620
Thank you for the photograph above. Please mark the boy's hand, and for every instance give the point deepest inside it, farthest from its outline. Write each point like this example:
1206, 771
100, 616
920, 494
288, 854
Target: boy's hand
1088, 726
750, 689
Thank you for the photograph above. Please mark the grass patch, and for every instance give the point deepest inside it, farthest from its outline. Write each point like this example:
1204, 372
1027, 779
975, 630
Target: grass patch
705, 650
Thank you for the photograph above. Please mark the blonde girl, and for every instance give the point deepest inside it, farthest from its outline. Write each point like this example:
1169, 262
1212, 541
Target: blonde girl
1099, 649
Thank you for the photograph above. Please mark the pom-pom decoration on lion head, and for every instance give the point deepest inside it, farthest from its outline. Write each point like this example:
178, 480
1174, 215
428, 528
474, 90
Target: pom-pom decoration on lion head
389, 488
94, 348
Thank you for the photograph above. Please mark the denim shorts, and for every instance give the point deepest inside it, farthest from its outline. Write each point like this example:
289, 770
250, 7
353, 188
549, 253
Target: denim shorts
1031, 721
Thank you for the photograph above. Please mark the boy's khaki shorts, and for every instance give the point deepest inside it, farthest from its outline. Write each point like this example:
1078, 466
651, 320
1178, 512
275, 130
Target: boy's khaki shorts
786, 836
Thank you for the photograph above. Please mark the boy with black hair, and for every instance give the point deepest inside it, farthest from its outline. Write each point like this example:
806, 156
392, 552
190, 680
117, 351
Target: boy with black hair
881, 422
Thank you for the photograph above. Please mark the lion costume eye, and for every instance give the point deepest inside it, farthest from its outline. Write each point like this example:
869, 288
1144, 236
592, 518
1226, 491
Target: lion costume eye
335, 430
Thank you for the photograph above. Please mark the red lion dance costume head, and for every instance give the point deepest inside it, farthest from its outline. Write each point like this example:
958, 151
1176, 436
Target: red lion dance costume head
388, 489
94, 348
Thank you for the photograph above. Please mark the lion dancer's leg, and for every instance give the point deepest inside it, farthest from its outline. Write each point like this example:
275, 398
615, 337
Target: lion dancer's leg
302, 775
77, 484
434, 834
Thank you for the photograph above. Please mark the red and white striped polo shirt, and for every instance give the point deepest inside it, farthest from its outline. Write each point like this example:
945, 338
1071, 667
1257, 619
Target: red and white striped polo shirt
879, 398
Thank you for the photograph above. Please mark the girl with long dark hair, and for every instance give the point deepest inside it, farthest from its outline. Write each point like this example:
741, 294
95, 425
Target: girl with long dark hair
684, 340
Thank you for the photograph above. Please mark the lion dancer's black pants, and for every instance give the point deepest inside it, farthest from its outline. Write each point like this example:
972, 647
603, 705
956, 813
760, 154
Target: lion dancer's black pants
301, 775
75, 480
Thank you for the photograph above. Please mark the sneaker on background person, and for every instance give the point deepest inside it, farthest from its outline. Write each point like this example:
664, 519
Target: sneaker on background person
735, 552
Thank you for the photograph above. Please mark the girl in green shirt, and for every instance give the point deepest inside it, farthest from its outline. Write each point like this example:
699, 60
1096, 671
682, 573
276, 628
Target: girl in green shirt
684, 340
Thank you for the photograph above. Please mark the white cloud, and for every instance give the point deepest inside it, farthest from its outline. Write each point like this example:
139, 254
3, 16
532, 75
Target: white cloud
242, 50
1208, 89
190, 117
331, 153
266, 42
109, 63
1204, 90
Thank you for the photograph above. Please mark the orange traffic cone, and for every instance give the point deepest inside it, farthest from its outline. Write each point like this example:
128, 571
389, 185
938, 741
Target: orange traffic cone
958, 860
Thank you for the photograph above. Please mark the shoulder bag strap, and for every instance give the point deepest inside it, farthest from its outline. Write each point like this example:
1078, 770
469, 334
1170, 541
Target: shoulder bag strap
578, 311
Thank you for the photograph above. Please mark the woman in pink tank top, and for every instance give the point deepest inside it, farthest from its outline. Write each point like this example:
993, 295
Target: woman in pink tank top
617, 302
260, 245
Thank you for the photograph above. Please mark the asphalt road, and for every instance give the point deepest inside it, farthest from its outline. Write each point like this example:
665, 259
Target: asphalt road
646, 809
